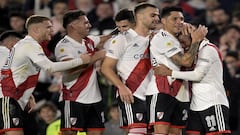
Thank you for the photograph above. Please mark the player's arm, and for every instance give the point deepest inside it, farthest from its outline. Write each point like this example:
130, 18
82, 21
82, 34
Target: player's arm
187, 58
203, 65
109, 71
99, 55
50, 66
103, 39
196, 75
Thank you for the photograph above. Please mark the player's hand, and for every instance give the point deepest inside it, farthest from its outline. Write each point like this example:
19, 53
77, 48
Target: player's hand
86, 58
162, 70
31, 103
198, 34
125, 94
98, 55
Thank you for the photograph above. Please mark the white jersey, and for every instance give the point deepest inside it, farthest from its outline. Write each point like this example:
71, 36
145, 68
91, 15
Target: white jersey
82, 88
3, 55
209, 90
163, 46
134, 67
23, 72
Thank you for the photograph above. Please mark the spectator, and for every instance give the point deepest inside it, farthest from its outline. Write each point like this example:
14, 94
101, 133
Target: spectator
104, 23
220, 19
17, 22
236, 18
60, 7
230, 39
4, 11
112, 127
46, 115
39, 7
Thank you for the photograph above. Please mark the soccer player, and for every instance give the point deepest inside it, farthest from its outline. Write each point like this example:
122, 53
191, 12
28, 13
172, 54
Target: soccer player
8, 39
168, 98
124, 20
82, 106
20, 73
128, 57
209, 108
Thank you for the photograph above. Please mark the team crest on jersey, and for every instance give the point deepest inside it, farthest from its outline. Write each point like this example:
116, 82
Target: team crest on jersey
139, 116
73, 120
160, 115
15, 121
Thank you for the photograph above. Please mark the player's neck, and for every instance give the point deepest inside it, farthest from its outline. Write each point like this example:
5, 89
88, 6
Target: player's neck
142, 31
76, 37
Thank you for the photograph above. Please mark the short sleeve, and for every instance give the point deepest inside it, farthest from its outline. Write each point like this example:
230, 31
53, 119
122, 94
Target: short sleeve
34, 52
116, 47
165, 45
63, 51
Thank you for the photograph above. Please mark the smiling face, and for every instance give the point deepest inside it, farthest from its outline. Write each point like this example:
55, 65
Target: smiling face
45, 30
124, 25
82, 25
173, 23
149, 17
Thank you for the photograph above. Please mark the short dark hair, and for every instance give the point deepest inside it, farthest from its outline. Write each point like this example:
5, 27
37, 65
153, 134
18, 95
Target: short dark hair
59, 1
142, 6
125, 14
71, 16
236, 14
167, 10
34, 19
231, 26
233, 54
49, 105
10, 33
17, 14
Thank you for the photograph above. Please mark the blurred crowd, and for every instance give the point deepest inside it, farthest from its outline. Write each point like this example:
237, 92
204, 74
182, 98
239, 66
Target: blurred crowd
222, 17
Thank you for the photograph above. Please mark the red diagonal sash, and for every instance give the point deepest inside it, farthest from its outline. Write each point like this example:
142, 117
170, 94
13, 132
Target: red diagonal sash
139, 72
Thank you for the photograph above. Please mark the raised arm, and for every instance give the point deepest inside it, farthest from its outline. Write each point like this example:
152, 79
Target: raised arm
187, 58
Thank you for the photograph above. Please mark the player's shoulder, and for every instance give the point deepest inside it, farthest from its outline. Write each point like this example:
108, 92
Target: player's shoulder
63, 42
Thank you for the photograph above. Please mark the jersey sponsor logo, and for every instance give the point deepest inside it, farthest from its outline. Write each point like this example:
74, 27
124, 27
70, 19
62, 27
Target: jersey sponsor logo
141, 56
15, 121
73, 120
139, 116
160, 115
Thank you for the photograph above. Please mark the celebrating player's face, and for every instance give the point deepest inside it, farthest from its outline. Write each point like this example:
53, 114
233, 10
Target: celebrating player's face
82, 25
174, 22
124, 25
46, 30
151, 17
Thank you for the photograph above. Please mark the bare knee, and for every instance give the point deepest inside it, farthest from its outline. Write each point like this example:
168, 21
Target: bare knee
161, 129
69, 132
14, 133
